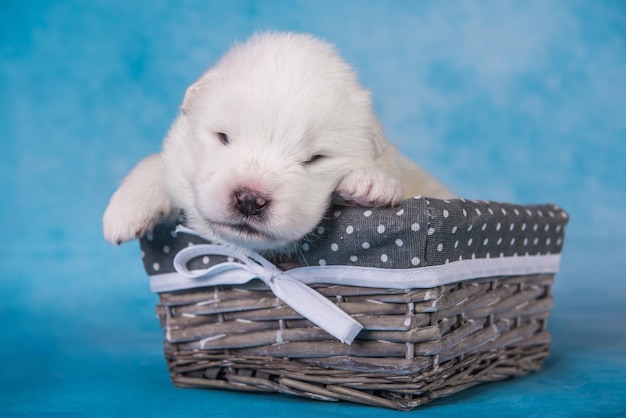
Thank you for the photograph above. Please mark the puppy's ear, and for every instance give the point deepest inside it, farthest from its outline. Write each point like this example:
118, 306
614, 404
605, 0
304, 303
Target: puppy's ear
197, 89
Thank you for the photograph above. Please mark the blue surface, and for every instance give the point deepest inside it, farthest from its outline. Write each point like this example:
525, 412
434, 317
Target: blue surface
516, 101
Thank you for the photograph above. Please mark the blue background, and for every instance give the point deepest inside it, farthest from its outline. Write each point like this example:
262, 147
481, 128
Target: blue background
520, 101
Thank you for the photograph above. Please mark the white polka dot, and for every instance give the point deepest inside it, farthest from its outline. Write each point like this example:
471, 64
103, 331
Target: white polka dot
205, 259
367, 213
512, 227
469, 242
149, 236
548, 241
143, 254
166, 249
528, 212
380, 229
547, 228
190, 244
400, 212
454, 228
536, 241
498, 226
484, 226
384, 258
540, 213
456, 244
365, 245
535, 227
415, 227
156, 266
464, 213
320, 230
431, 231
173, 233
478, 212
516, 212
490, 211
488, 255
337, 213
470, 228
559, 241
399, 242
486, 241
461, 258
551, 214
503, 211
440, 247
558, 228
353, 258
334, 247
349, 229
322, 262
524, 226
512, 241
447, 261
230, 259
525, 241
473, 256
415, 261
446, 213
306, 246
499, 241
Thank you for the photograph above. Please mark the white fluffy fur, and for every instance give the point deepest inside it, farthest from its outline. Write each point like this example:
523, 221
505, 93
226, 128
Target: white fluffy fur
282, 99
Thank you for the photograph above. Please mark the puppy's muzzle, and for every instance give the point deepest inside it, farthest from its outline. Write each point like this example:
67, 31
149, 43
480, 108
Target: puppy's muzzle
250, 203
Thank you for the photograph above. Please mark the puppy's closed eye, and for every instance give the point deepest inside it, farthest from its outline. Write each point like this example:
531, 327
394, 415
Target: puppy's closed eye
314, 158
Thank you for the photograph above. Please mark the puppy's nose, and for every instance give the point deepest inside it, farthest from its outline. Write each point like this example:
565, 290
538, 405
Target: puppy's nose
250, 203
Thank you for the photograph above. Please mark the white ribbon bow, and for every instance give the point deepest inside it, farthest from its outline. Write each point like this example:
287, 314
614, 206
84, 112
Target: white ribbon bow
300, 297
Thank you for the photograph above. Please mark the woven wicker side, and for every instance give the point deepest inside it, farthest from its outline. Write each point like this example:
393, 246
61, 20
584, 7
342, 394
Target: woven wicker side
416, 346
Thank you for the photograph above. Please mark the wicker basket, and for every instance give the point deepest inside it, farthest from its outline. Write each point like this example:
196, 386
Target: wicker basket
447, 295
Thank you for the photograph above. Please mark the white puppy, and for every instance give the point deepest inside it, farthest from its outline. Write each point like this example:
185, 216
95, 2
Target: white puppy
264, 141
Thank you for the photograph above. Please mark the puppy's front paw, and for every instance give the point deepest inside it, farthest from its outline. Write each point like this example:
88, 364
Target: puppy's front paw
139, 203
368, 187
125, 219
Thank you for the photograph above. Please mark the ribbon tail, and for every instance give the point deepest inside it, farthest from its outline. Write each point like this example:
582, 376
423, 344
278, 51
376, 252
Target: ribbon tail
316, 308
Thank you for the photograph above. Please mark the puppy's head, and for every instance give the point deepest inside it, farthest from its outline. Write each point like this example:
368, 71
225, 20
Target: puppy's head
264, 138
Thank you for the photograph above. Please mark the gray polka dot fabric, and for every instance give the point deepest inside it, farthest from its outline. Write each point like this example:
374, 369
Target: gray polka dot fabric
159, 248
370, 237
420, 232
461, 229
428, 232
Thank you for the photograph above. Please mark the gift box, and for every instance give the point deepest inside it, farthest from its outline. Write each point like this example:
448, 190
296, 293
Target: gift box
392, 307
